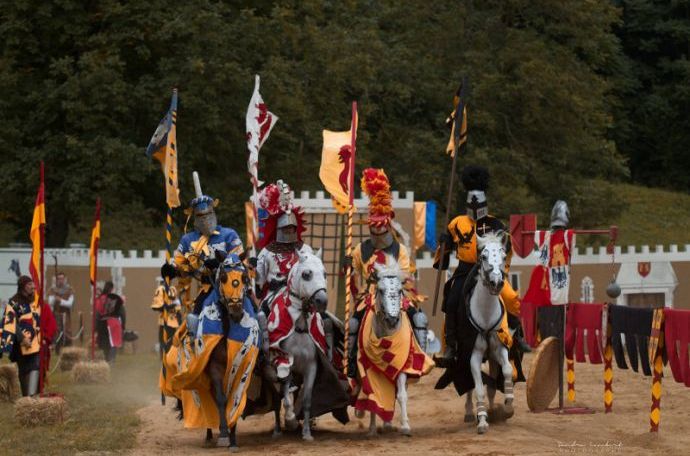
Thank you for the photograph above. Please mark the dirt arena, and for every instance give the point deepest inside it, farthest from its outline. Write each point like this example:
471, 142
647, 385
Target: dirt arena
436, 419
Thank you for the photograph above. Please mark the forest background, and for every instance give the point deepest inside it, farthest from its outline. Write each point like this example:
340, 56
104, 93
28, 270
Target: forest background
585, 101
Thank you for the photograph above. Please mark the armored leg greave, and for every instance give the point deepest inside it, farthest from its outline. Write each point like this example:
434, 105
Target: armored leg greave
420, 323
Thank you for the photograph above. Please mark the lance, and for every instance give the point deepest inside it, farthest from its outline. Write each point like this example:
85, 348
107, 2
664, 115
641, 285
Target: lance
348, 245
459, 140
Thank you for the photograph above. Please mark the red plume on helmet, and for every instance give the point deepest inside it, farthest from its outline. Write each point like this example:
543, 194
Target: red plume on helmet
376, 186
270, 201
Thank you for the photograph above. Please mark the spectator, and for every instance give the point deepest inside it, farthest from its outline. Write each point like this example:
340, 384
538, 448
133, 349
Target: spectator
111, 318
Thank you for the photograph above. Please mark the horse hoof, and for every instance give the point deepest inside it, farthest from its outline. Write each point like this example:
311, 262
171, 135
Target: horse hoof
291, 424
234, 449
482, 428
469, 418
276, 434
406, 432
359, 413
223, 442
372, 433
307, 438
508, 411
387, 427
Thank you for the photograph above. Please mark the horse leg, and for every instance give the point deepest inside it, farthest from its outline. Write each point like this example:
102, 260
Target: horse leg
308, 385
276, 414
469, 410
233, 439
221, 402
476, 367
490, 391
402, 400
209, 435
372, 424
507, 380
290, 421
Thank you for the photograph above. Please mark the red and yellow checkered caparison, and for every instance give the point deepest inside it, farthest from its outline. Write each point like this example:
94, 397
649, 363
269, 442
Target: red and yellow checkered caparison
377, 187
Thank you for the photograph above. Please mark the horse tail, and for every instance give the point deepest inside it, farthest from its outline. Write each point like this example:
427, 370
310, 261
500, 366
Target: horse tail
179, 409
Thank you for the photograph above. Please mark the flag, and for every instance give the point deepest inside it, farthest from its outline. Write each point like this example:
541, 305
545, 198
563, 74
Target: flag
458, 121
95, 238
37, 236
425, 225
260, 122
163, 147
336, 165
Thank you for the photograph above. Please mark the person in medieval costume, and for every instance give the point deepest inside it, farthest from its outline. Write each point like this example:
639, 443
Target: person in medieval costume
382, 248
22, 336
280, 243
195, 256
281, 246
195, 259
462, 237
61, 300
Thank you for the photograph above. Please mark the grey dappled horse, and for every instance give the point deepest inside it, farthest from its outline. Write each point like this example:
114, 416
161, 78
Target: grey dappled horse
307, 293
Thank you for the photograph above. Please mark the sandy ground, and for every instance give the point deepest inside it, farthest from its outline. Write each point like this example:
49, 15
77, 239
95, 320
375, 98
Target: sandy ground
437, 424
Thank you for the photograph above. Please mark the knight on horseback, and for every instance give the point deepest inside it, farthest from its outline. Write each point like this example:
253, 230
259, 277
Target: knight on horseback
195, 255
462, 237
382, 249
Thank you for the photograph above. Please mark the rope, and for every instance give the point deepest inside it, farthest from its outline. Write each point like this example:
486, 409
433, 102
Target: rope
57, 363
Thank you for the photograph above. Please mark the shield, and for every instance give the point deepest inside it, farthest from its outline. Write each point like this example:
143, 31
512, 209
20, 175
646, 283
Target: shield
522, 228
644, 268
542, 383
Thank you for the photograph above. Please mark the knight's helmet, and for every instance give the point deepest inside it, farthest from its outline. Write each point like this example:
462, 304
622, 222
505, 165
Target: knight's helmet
202, 206
475, 179
287, 219
376, 186
283, 222
560, 215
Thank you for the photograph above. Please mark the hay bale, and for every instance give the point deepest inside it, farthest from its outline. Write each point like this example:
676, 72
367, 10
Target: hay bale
69, 356
10, 389
91, 372
30, 411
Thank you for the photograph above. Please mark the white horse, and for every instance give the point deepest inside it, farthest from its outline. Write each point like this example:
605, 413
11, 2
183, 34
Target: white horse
308, 298
486, 313
388, 302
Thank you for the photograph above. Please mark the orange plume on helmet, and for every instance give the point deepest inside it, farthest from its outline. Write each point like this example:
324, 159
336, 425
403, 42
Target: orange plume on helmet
376, 186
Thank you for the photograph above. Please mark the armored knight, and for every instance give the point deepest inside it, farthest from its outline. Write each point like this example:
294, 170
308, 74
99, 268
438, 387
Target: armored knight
195, 256
382, 248
462, 237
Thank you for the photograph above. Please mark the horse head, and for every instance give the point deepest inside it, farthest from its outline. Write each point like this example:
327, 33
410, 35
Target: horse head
389, 291
492, 260
307, 283
231, 282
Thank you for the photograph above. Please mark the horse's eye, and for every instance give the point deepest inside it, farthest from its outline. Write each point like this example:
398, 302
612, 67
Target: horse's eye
235, 283
307, 275
324, 274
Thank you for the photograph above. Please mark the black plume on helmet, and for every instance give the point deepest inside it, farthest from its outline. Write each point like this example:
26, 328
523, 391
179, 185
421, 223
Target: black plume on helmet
475, 178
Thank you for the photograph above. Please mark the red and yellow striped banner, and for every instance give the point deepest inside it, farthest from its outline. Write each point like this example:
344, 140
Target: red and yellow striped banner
656, 343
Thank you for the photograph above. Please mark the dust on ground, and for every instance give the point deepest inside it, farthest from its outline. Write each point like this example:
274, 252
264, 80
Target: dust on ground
437, 424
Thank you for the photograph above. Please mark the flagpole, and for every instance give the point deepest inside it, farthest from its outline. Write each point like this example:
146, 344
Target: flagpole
348, 245
93, 283
459, 111
41, 287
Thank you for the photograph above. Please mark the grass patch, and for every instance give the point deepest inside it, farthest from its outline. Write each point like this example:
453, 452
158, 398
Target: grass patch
653, 216
102, 418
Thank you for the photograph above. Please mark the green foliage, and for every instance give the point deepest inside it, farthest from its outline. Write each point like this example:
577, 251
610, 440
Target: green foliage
655, 35
86, 84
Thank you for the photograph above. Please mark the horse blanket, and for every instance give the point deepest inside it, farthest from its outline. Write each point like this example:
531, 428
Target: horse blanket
281, 325
242, 343
381, 360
